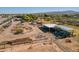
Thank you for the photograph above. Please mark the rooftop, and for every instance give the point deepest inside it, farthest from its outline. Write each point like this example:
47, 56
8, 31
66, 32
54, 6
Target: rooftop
65, 27
49, 25
59, 26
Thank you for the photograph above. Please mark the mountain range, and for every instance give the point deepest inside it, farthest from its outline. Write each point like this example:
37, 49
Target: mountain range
59, 12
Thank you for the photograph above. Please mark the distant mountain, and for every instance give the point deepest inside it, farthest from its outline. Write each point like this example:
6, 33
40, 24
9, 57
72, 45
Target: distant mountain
54, 12
63, 12
59, 12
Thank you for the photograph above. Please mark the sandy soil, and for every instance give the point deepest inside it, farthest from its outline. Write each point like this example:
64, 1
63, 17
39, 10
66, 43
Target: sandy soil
46, 43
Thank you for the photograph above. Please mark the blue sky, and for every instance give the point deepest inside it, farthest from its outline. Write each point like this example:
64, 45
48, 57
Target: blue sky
35, 9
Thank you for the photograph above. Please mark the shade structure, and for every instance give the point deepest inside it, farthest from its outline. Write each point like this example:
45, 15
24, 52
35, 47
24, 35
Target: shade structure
64, 27
58, 26
50, 25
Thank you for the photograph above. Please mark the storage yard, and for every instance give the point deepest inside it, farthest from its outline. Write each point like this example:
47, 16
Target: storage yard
36, 37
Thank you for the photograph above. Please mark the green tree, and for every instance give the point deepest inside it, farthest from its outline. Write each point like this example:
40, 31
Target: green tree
29, 17
57, 17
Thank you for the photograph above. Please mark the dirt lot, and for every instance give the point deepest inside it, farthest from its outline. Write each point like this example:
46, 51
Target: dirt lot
42, 42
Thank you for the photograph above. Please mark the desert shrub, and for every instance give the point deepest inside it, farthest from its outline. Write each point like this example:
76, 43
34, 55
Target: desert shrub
18, 31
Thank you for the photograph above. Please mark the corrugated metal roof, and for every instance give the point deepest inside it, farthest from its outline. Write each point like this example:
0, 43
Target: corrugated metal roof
64, 27
59, 26
49, 25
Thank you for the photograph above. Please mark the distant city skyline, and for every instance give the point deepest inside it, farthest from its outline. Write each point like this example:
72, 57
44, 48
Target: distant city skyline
35, 9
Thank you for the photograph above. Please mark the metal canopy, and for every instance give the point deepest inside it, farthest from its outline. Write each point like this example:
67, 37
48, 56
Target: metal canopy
50, 25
